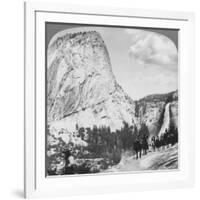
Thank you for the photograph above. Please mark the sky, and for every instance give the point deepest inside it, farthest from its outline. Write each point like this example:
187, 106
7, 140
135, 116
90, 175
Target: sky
144, 61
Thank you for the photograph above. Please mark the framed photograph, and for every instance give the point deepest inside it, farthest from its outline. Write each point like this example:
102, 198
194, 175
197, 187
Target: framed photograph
109, 100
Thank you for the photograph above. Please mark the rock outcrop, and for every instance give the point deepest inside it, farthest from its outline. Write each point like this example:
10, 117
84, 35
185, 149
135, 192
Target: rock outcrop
81, 86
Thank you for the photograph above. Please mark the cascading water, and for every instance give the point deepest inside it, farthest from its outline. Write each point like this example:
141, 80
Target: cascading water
166, 120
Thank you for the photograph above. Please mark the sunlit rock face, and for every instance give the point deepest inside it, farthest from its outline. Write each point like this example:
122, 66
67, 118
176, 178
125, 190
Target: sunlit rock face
158, 112
81, 86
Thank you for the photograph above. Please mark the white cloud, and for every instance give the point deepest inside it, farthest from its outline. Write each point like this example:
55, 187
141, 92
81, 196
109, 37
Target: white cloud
153, 64
152, 48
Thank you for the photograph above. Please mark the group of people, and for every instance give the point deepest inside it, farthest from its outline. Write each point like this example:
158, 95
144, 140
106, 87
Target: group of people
164, 140
141, 145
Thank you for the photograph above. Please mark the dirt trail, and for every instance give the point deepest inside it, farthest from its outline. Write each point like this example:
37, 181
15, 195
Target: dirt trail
163, 159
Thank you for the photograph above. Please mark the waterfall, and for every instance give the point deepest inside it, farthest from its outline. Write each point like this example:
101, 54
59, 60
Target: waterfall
166, 120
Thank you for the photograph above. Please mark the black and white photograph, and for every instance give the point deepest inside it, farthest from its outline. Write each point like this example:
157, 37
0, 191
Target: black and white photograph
111, 99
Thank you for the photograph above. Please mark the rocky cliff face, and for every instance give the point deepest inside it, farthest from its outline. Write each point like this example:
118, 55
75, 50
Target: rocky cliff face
158, 112
81, 86
83, 90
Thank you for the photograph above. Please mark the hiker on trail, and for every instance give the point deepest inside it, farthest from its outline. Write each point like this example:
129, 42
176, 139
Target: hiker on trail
153, 139
166, 138
162, 142
138, 148
157, 143
145, 145
172, 139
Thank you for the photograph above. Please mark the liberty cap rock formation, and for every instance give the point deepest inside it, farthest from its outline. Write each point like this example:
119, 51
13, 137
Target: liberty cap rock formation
81, 86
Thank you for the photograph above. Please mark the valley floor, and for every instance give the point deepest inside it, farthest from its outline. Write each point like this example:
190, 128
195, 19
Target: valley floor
159, 160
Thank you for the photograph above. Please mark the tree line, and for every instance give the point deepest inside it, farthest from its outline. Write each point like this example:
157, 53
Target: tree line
104, 143
107, 145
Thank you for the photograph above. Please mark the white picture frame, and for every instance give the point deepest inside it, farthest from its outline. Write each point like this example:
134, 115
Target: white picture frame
35, 182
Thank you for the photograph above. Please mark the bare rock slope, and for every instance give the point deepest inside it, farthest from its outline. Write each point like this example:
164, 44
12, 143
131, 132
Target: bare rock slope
81, 86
